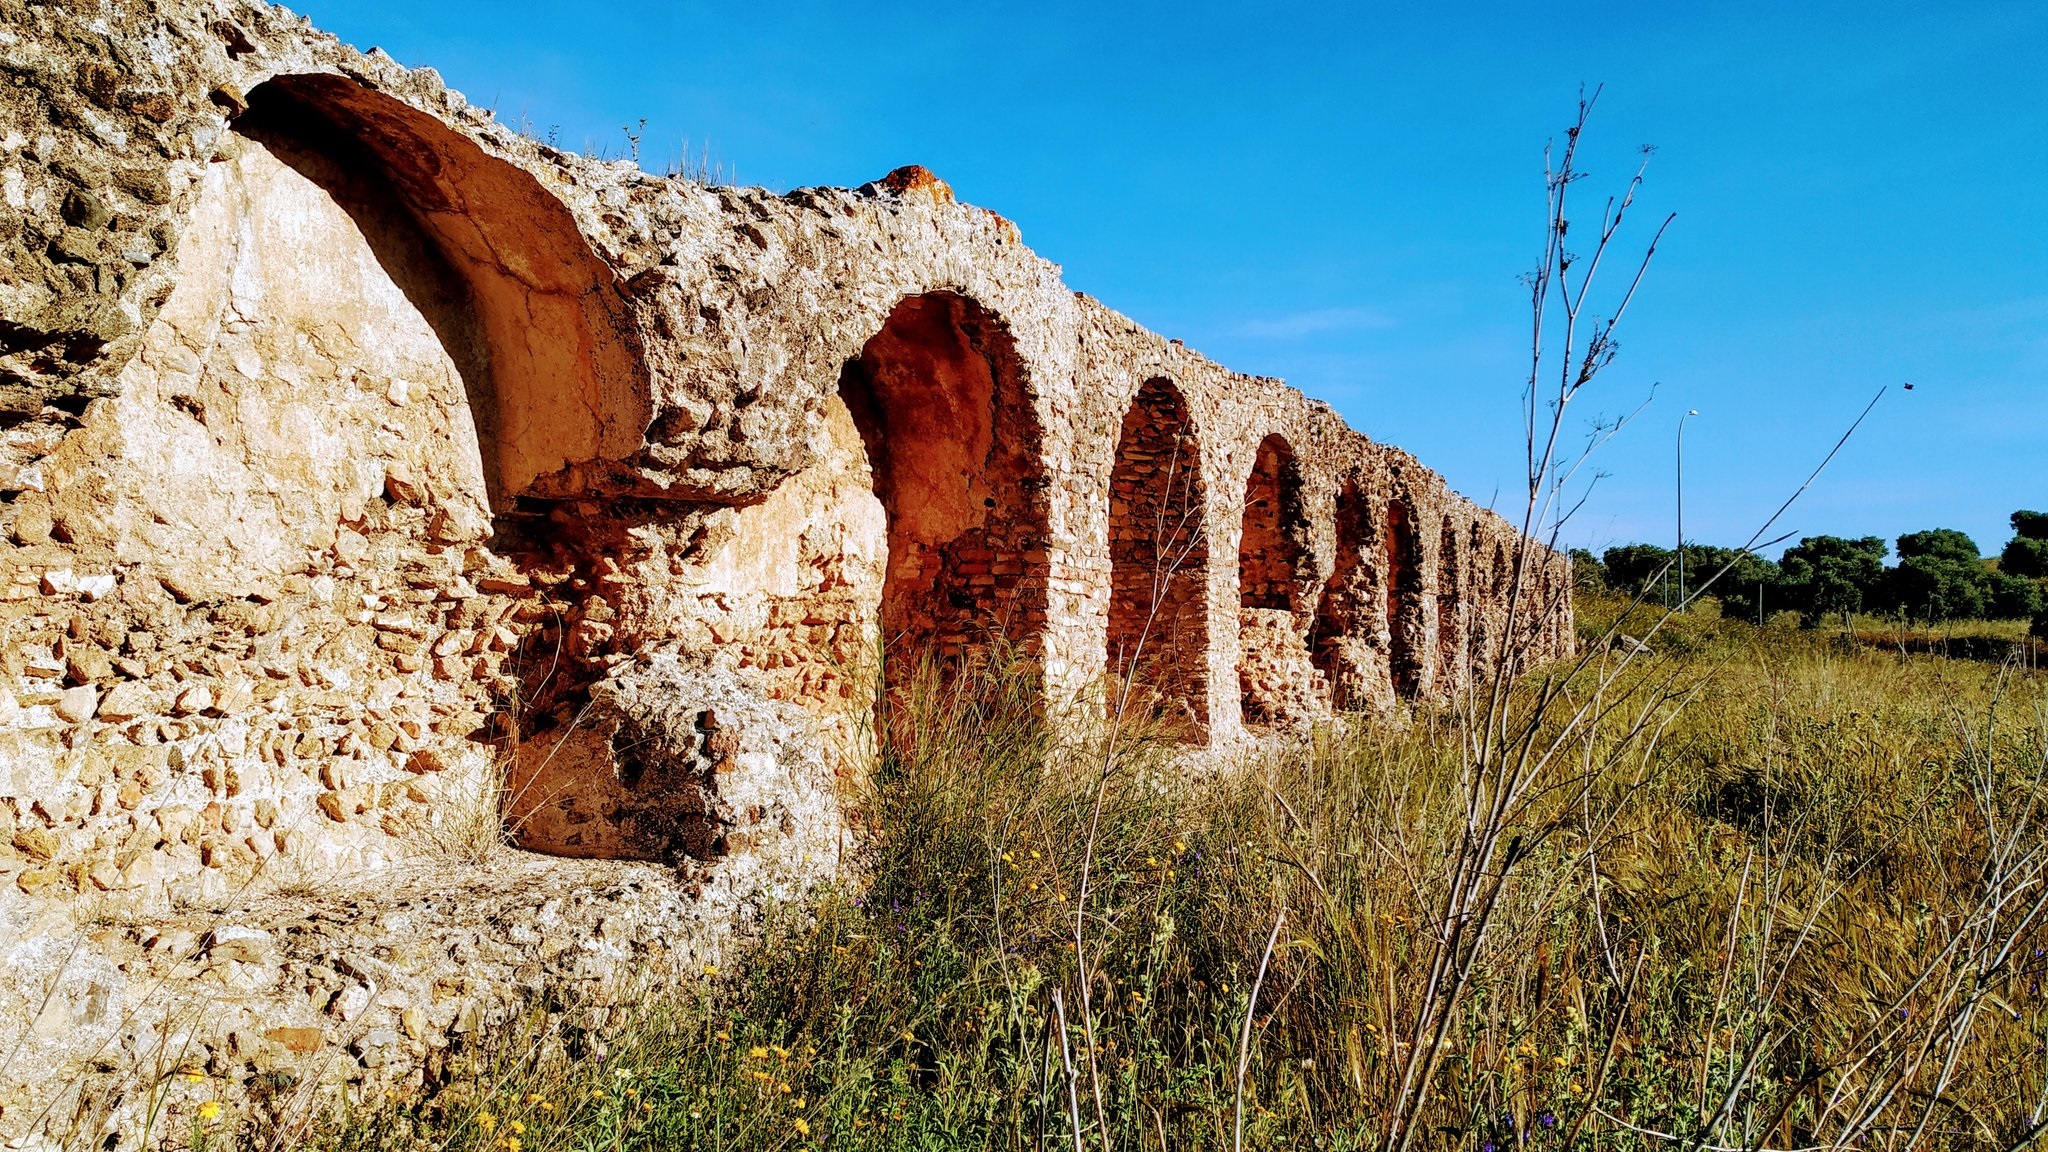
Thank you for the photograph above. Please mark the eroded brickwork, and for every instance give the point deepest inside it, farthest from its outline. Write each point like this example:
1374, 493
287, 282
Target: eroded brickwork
375, 477
1159, 558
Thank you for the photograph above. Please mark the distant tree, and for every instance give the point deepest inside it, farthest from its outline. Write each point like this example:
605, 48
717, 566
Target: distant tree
1937, 588
2026, 554
1940, 576
2014, 597
1942, 543
1632, 568
1588, 573
1828, 576
1752, 587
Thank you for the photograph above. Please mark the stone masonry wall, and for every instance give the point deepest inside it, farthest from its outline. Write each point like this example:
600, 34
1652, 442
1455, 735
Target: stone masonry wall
373, 477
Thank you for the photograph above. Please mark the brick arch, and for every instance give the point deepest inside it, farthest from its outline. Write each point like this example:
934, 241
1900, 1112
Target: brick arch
1276, 572
1408, 643
1451, 654
1345, 646
945, 411
1157, 641
531, 316
1273, 560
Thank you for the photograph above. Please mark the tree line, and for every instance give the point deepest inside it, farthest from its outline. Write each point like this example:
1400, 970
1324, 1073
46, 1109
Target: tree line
1940, 575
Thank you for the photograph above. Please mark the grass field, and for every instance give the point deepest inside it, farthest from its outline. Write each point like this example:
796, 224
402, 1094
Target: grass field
1751, 888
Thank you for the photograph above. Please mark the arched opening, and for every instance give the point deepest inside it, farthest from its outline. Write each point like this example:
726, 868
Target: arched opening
1159, 559
1491, 621
940, 399
1274, 570
1345, 649
1406, 641
382, 337
530, 314
1451, 657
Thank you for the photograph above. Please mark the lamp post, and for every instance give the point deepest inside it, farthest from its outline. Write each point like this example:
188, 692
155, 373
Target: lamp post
1689, 413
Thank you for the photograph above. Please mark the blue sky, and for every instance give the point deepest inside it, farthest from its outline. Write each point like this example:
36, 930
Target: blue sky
1345, 195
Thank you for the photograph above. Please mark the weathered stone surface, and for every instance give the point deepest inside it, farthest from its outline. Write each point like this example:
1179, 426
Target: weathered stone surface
376, 481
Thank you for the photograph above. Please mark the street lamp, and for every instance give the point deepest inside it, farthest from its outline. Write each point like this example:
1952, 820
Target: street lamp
1690, 412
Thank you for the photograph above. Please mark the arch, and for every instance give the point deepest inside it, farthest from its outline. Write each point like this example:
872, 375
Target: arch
1489, 649
1451, 657
392, 336
1159, 557
1275, 569
941, 401
1406, 642
536, 324
1344, 650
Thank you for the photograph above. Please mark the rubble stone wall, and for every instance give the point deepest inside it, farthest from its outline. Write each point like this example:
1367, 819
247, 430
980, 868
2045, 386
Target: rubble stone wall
372, 475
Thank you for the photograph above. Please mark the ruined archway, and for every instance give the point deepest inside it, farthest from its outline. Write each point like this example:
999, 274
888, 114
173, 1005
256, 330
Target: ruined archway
529, 313
1345, 648
1490, 620
1451, 657
1158, 638
1274, 571
941, 401
1407, 642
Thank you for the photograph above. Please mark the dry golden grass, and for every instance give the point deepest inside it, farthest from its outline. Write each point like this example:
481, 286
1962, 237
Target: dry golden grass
1767, 890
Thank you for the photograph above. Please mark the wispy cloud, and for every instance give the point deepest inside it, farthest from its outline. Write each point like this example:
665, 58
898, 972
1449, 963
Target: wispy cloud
1295, 325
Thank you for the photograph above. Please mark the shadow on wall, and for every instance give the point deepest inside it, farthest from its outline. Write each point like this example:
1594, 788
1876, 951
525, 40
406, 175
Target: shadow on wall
530, 321
1405, 627
1277, 677
1158, 639
1345, 648
530, 314
946, 414
1450, 621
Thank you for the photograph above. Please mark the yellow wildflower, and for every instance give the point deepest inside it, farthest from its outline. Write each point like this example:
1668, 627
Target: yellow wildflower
724, 1035
711, 969
517, 1128
486, 1121
781, 1053
757, 1053
210, 1110
802, 1126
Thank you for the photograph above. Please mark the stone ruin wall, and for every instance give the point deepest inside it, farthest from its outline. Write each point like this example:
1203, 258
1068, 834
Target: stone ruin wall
359, 447
360, 453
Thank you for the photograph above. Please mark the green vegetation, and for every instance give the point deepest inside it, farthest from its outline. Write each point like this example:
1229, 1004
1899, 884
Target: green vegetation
1774, 891
1940, 576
